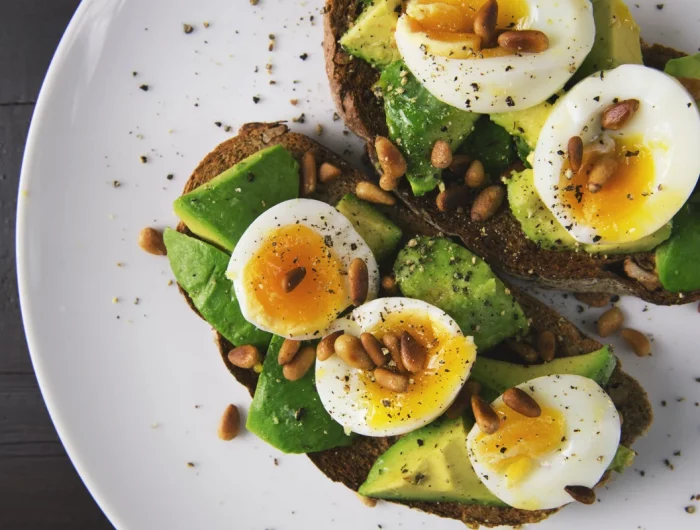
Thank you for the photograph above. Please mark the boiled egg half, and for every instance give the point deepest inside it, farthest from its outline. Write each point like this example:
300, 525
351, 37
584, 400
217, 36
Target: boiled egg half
298, 234
656, 152
355, 400
528, 462
435, 39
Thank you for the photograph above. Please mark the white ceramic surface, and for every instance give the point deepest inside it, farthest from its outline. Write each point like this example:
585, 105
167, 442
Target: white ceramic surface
135, 391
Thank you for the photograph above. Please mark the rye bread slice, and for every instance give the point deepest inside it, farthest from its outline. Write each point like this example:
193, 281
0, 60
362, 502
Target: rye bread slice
351, 465
500, 240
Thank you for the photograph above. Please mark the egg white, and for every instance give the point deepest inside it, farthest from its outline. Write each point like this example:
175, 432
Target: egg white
667, 120
592, 437
515, 82
320, 217
347, 405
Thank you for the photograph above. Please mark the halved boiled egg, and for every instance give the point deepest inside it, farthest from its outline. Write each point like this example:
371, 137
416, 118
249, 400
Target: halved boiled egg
435, 39
656, 153
315, 244
528, 462
357, 401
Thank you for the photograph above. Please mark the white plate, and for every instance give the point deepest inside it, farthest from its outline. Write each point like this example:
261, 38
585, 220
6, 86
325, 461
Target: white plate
136, 391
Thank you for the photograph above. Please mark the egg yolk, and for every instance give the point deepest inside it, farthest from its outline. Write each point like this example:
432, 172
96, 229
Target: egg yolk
520, 441
451, 22
429, 389
619, 209
316, 301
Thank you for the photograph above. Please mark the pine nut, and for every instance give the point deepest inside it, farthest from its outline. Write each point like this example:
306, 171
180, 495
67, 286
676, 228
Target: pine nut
293, 278
460, 163
391, 161
351, 351
601, 172
358, 278
485, 23
648, 279
373, 348
610, 322
581, 494
370, 192
521, 402
441, 155
288, 350
527, 41
452, 198
244, 356
297, 367
151, 240
475, 176
367, 501
526, 352
575, 150
393, 344
389, 285
308, 173
617, 115
230, 423
486, 418
413, 353
326, 347
391, 380
463, 399
593, 299
546, 345
328, 173
637, 341
487, 203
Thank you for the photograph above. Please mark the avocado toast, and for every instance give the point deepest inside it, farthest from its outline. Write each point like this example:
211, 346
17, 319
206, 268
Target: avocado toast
350, 460
517, 238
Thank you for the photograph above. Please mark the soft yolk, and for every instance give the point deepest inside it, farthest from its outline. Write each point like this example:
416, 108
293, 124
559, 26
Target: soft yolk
428, 389
520, 441
619, 209
457, 16
320, 296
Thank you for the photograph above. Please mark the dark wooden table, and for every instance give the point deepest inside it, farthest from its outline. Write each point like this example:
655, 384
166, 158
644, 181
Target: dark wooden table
39, 487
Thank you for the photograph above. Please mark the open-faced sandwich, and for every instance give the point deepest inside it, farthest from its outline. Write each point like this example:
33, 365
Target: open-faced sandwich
390, 354
545, 135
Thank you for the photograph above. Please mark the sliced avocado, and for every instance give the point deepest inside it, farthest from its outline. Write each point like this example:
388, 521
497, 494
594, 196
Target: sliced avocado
429, 464
616, 39
371, 38
492, 145
450, 277
688, 66
416, 120
677, 259
200, 269
623, 459
381, 234
221, 210
526, 124
498, 376
289, 415
540, 225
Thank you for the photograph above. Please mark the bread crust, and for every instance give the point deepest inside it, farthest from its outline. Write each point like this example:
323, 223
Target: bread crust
351, 465
500, 241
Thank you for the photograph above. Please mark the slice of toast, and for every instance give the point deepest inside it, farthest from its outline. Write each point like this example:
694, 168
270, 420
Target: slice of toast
499, 241
350, 465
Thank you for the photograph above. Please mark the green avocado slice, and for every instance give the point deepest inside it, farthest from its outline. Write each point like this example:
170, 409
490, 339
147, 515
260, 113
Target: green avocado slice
289, 415
429, 464
677, 258
371, 38
223, 208
450, 277
200, 269
416, 120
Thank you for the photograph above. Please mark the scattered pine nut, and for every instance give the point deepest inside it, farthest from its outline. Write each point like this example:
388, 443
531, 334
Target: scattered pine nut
487, 203
575, 150
358, 278
373, 348
441, 155
244, 356
391, 161
151, 240
391, 380
546, 345
288, 350
648, 279
486, 418
637, 341
617, 115
475, 176
308, 173
326, 347
389, 285
367, 501
525, 41
521, 402
297, 367
393, 344
413, 353
601, 171
293, 278
351, 351
328, 172
485, 23
610, 322
581, 494
230, 423
370, 192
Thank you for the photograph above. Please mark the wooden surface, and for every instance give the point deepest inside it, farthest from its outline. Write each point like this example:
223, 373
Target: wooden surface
39, 487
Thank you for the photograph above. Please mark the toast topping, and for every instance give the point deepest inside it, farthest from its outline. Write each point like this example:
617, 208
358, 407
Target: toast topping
151, 240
